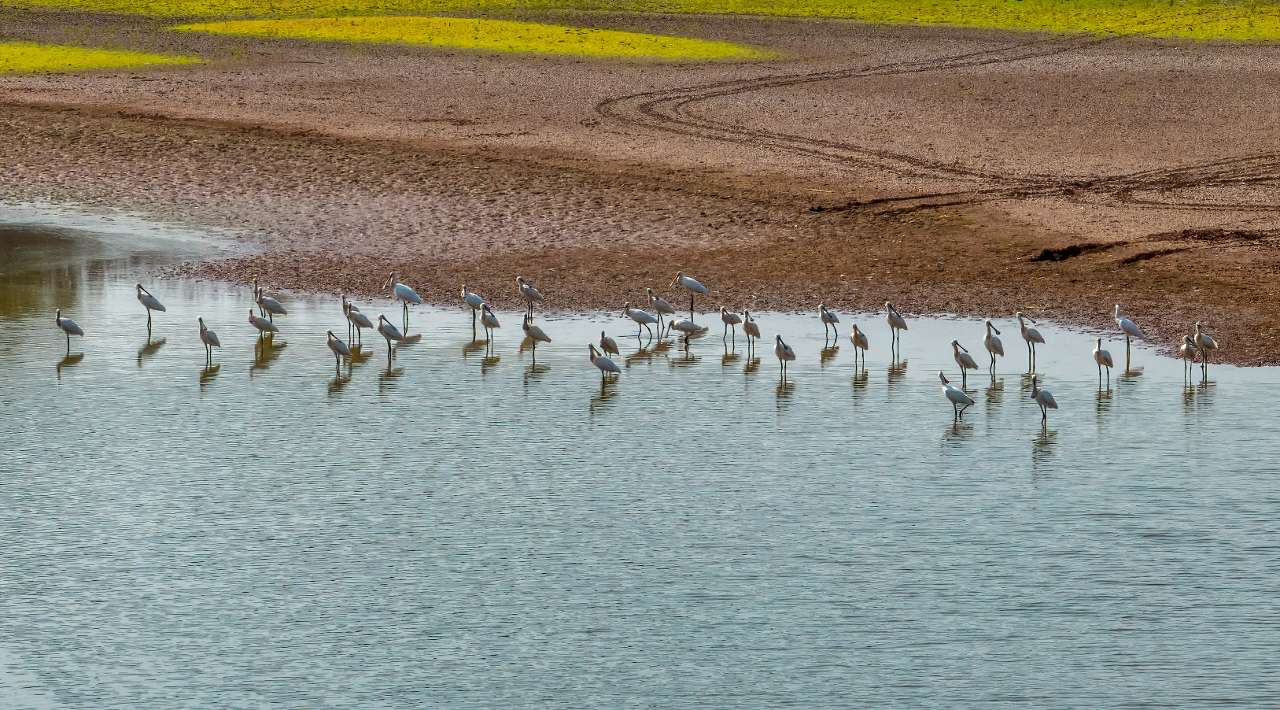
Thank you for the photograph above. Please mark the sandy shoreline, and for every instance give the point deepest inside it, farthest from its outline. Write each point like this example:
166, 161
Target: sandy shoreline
772, 194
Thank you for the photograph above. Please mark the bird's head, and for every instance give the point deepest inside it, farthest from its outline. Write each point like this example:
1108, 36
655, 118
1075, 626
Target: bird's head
139, 287
1099, 343
464, 290
331, 335
888, 306
250, 315
57, 316
1117, 310
200, 321
520, 280
676, 280
956, 344
943, 377
992, 327
391, 278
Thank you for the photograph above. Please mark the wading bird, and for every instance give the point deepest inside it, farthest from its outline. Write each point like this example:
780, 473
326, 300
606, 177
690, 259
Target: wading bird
685, 327
263, 325
340, 350
694, 287
960, 401
476, 301
403, 293
860, 342
1187, 351
529, 293
1130, 330
1032, 336
356, 321
829, 321
730, 320
1204, 343
69, 328
897, 324
267, 306
992, 343
604, 364
534, 334
149, 302
489, 321
608, 345
751, 329
643, 319
1044, 398
964, 360
784, 354
210, 340
389, 332
660, 306
1103, 358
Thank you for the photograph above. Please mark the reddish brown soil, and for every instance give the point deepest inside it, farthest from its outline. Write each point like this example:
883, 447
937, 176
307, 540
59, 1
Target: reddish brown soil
931, 167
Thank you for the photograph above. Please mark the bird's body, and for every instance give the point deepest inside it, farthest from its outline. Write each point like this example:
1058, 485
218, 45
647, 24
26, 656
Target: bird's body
686, 327
534, 333
149, 302
750, 327
262, 324
1204, 343
642, 318
730, 320
476, 302
489, 320
1130, 330
1032, 338
356, 320
389, 333
959, 399
784, 353
964, 360
529, 293
1103, 359
860, 343
340, 350
267, 306
660, 306
68, 327
1044, 398
210, 340
897, 324
1187, 351
608, 345
403, 293
992, 343
692, 285
604, 364
829, 321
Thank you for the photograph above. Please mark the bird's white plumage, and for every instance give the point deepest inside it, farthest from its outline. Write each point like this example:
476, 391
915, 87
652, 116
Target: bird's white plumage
1187, 349
603, 363
992, 340
783, 351
962, 357
1127, 326
68, 326
954, 394
894, 318
1102, 357
337, 346
659, 303
749, 326
729, 317
262, 324
690, 283
1203, 340
389, 331
357, 318
208, 337
858, 338
639, 316
827, 315
471, 298
148, 301
488, 319
609, 345
1029, 334
686, 326
534, 332
528, 291
270, 305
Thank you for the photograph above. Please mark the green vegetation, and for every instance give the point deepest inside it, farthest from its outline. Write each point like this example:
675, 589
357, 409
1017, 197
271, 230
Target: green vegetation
1197, 19
29, 57
486, 35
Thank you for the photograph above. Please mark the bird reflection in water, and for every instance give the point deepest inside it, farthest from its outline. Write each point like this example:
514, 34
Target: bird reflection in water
473, 347
827, 354
644, 354
489, 362
730, 356
151, 348
207, 374
265, 352
535, 372
336, 384
956, 432
897, 372
1043, 446
601, 400
785, 390
387, 379
995, 391
70, 360
686, 358
1130, 375
1104, 401
752, 366
1197, 396
861, 378
359, 356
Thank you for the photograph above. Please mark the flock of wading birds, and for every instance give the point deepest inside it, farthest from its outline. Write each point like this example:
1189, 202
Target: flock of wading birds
1198, 344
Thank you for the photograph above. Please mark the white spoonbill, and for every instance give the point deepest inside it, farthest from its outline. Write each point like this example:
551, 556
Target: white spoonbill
642, 318
389, 332
694, 287
1103, 358
750, 328
960, 401
608, 345
403, 293
660, 306
1044, 398
149, 302
686, 327
210, 340
1187, 351
489, 321
529, 293
784, 353
263, 325
476, 301
897, 324
992, 343
267, 305
604, 364
1130, 330
1204, 343
829, 321
964, 360
356, 320
860, 342
68, 326
1032, 336
340, 350
730, 320
534, 334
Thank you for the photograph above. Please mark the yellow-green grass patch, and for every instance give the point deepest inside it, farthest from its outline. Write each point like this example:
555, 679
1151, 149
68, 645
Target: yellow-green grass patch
30, 57
487, 36
1195, 19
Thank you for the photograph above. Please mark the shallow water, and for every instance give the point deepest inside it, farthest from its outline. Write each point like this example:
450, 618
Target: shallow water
467, 530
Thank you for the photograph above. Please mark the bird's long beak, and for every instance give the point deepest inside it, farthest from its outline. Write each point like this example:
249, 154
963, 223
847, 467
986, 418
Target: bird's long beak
995, 330
962, 347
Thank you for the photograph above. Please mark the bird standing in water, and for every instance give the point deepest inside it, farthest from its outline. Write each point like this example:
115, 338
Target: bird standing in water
730, 320
529, 293
1204, 343
660, 306
860, 342
340, 350
403, 293
68, 327
994, 347
1103, 359
534, 334
149, 302
694, 287
604, 364
897, 324
960, 401
210, 340
608, 345
1130, 330
1032, 337
964, 360
643, 319
389, 332
1044, 398
751, 329
829, 322
784, 353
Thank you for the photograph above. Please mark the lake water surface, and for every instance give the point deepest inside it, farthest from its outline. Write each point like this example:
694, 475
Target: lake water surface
469, 530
